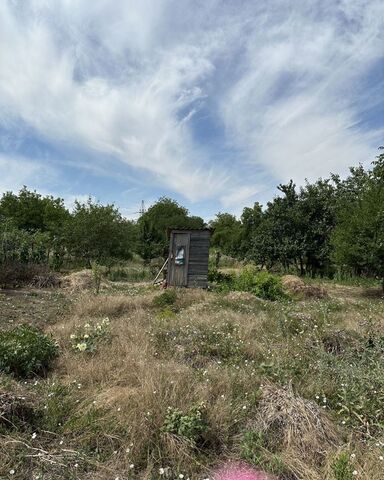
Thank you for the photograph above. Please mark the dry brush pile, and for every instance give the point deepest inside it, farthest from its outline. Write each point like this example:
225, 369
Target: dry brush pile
173, 385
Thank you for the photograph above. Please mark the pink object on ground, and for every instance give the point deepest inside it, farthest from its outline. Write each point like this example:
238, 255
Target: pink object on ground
239, 471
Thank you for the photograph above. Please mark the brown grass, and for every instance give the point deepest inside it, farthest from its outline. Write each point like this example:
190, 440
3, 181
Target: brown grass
302, 431
296, 287
122, 392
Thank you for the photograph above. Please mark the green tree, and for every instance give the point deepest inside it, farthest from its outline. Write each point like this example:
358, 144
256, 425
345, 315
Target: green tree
251, 219
31, 211
99, 233
153, 224
358, 239
317, 219
227, 234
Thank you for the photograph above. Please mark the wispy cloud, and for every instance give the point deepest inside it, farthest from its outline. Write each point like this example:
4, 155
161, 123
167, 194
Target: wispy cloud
18, 171
285, 83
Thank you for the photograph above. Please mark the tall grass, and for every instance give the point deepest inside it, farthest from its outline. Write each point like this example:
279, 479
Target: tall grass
293, 388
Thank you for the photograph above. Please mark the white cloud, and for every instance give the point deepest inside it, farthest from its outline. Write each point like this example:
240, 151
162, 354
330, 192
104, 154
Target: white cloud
18, 171
133, 117
295, 107
126, 79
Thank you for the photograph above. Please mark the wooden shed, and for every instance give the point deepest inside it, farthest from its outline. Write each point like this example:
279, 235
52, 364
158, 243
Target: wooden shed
188, 258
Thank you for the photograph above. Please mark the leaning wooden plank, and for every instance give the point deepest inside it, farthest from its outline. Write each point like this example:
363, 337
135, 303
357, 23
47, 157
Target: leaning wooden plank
161, 269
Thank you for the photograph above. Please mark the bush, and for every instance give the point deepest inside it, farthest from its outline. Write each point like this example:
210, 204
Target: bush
214, 275
17, 274
165, 299
262, 284
26, 351
189, 425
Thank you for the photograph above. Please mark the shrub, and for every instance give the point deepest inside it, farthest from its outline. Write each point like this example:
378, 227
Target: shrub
214, 275
189, 425
26, 351
262, 284
17, 274
85, 338
165, 299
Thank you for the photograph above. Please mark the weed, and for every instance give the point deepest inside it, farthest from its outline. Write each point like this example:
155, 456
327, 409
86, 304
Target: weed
200, 343
342, 468
165, 299
85, 338
97, 275
26, 351
190, 425
254, 449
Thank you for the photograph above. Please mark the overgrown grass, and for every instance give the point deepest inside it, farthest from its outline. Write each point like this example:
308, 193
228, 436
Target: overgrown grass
262, 284
190, 379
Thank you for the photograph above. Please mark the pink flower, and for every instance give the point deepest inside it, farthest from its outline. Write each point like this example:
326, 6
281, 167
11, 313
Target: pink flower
239, 471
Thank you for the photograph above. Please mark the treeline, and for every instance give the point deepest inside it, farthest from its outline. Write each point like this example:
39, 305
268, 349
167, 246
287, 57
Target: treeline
40, 230
331, 225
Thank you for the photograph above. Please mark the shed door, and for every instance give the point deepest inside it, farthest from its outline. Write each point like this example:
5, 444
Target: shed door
179, 259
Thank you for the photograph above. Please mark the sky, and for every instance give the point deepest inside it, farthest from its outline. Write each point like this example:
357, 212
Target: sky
212, 103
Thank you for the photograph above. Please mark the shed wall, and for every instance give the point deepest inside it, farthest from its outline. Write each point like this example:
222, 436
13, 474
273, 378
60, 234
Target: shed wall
198, 259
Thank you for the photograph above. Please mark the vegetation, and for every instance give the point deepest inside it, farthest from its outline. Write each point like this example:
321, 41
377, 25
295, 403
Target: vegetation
26, 351
153, 224
285, 374
293, 388
330, 228
262, 284
326, 228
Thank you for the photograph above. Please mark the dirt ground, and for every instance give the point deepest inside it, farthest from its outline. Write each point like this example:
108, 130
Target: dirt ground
39, 307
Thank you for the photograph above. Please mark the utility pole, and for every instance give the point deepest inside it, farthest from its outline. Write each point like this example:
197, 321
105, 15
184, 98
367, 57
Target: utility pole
142, 208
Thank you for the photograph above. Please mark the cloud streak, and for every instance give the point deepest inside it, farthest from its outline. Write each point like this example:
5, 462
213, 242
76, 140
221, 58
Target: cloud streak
283, 81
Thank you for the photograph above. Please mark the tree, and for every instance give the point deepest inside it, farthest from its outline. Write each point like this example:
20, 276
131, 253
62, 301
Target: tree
227, 234
32, 212
153, 224
251, 219
99, 233
358, 239
317, 219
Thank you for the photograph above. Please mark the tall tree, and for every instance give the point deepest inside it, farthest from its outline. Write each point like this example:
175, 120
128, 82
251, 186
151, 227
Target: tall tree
153, 224
30, 211
227, 234
359, 235
98, 232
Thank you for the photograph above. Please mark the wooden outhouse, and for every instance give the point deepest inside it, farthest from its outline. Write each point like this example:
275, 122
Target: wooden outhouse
188, 258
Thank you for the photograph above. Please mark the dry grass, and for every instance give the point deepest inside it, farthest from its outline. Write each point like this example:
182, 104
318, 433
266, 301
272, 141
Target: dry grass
78, 281
295, 286
118, 397
303, 432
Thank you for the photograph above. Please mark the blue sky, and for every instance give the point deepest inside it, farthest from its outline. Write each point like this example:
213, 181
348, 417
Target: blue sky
212, 103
